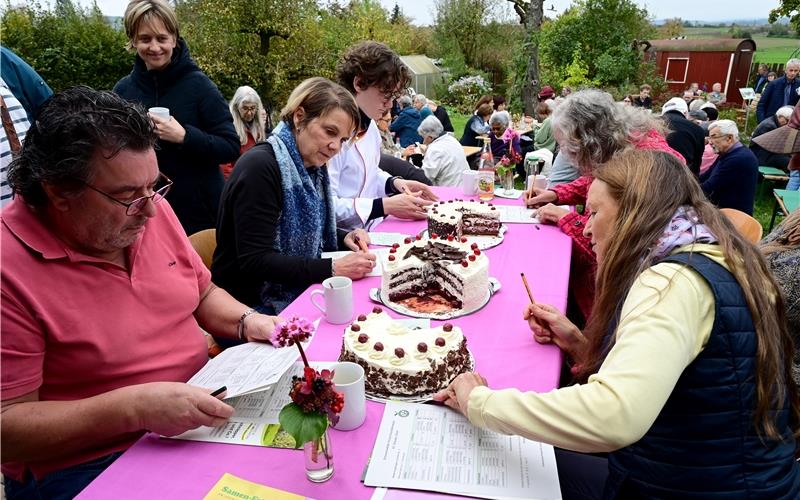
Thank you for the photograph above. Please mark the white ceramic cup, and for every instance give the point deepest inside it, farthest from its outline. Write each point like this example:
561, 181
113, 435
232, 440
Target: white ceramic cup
469, 182
348, 379
338, 294
540, 181
159, 112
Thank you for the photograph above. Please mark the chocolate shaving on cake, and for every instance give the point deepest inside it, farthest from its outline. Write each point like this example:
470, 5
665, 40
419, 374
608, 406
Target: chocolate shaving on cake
434, 251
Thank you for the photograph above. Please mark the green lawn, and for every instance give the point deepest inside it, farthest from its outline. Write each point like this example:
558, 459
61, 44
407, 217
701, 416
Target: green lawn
458, 120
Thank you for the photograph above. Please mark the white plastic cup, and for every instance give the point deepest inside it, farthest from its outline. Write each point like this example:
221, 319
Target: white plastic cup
338, 294
159, 112
469, 182
540, 181
348, 379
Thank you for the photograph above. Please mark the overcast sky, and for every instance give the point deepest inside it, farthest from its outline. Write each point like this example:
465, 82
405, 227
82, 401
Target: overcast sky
422, 11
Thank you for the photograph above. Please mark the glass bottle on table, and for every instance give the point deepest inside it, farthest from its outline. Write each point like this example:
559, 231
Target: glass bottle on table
486, 172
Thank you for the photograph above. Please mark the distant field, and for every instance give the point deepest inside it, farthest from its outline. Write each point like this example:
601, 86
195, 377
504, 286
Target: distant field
768, 50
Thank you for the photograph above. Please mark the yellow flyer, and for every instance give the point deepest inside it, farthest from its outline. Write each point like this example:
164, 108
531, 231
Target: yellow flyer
230, 487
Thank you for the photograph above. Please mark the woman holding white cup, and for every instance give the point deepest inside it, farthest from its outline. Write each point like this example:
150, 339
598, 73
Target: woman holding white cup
277, 213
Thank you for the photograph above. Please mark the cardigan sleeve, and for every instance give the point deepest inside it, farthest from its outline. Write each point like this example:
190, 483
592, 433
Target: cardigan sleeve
573, 193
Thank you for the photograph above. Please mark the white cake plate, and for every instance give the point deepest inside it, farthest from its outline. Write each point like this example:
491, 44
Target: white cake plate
377, 296
483, 241
419, 398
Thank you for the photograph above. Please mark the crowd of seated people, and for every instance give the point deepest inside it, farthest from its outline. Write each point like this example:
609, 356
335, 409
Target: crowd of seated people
661, 284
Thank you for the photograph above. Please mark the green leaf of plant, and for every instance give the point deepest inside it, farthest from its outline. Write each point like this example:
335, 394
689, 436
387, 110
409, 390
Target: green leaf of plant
303, 427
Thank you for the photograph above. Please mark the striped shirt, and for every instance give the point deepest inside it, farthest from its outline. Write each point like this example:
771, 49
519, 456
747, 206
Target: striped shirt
19, 119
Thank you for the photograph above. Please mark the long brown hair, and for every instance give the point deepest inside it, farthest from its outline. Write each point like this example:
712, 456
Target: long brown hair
649, 187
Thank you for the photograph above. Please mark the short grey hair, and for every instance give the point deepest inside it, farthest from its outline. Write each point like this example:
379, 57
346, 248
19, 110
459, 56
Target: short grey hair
793, 62
404, 101
500, 117
785, 112
726, 127
430, 127
591, 127
420, 98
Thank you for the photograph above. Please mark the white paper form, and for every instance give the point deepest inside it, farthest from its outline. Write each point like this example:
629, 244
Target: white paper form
255, 417
386, 239
247, 368
516, 214
380, 255
434, 448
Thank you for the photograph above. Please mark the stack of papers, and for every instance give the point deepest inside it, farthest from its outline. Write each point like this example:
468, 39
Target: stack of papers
515, 214
434, 448
380, 253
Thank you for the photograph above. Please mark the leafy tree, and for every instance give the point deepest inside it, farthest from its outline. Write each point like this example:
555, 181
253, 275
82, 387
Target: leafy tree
605, 33
67, 46
459, 28
778, 30
790, 9
530, 15
672, 28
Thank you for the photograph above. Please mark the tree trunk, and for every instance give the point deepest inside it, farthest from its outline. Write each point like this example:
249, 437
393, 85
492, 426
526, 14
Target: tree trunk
533, 26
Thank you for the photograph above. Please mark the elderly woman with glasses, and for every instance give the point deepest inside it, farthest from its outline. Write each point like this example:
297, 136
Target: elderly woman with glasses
249, 120
277, 212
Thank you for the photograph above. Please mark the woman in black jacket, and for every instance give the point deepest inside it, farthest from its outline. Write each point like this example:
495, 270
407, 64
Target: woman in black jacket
198, 135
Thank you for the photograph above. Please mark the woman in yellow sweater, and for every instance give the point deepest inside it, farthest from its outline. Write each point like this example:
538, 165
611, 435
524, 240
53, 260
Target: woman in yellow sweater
684, 370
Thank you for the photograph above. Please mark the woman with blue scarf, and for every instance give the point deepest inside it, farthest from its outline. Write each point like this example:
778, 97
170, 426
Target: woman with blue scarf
684, 371
276, 214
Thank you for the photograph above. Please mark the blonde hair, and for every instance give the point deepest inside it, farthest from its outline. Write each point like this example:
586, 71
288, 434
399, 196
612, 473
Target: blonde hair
319, 96
257, 128
145, 11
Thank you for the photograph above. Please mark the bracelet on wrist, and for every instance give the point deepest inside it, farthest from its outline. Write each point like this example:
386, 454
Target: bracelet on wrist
241, 330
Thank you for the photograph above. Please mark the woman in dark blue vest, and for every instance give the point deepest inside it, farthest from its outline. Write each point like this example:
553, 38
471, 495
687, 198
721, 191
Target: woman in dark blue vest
684, 369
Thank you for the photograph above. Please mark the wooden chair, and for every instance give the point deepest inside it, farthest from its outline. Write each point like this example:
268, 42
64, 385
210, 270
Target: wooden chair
746, 225
204, 243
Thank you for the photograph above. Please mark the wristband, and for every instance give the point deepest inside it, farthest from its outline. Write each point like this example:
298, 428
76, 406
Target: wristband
240, 329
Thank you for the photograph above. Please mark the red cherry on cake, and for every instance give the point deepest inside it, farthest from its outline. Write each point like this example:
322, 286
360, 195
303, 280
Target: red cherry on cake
440, 341
463, 239
391, 258
407, 240
472, 258
450, 237
493, 208
378, 346
464, 263
395, 245
399, 352
362, 317
377, 310
477, 251
392, 250
362, 338
355, 327
434, 236
419, 237
422, 347
483, 202
474, 246
448, 327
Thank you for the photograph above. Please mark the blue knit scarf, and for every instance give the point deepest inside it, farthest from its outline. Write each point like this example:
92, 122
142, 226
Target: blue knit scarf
307, 224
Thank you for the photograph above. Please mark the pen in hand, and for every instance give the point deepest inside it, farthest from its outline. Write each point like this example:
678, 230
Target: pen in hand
360, 244
219, 391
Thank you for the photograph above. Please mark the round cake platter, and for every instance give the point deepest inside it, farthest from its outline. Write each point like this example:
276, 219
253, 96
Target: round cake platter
483, 241
419, 398
377, 296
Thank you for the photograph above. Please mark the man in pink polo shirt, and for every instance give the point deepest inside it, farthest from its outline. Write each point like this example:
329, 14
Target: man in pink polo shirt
102, 294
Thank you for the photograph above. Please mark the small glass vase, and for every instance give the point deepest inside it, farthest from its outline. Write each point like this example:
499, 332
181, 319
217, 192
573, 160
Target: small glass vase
508, 182
319, 458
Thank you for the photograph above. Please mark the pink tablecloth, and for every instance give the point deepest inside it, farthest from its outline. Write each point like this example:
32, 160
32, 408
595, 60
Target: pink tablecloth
497, 336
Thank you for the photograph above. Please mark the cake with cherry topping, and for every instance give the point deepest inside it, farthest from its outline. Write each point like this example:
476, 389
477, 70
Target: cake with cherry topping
459, 218
402, 362
436, 274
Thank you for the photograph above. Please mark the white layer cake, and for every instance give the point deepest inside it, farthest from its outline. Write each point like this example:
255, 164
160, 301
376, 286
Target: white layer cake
402, 362
463, 217
455, 269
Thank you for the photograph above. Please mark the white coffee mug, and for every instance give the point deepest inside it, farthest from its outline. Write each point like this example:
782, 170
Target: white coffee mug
469, 182
338, 294
159, 112
348, 379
